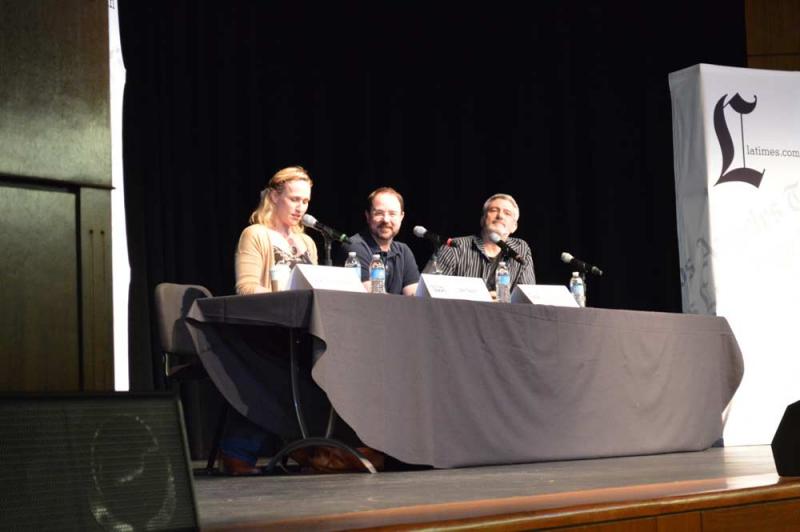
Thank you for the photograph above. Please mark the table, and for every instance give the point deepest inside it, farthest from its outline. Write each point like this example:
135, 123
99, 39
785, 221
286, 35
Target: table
457, 383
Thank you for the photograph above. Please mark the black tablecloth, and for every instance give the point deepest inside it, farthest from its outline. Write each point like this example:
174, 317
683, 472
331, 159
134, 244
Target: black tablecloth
456, 383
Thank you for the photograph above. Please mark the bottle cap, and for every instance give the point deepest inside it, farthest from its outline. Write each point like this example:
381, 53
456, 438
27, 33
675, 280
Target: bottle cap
575, 274
376, 256
501, 263
351, 254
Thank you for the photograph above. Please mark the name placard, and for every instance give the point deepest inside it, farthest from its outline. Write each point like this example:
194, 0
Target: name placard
452, 287
556, 295
305, 276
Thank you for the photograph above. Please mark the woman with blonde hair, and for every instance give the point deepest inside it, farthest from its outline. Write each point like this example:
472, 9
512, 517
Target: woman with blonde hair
275, 234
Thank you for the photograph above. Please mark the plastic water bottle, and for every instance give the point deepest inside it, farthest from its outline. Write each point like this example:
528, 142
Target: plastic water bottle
435, 270
279, 276
353, 263
377, 275
502, 283
578, 289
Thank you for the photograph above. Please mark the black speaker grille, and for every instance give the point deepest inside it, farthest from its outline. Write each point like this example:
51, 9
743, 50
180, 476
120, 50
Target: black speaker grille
114, 462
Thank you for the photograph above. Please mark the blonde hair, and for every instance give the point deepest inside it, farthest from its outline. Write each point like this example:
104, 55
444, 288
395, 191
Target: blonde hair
263, 213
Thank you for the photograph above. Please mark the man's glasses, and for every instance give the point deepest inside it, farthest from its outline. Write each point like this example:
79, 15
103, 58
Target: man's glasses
385, 214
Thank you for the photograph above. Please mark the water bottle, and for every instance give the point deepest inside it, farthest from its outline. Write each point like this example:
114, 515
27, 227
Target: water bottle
578, 289
435, 270
502, 283
377, 275
353, 263
279, 276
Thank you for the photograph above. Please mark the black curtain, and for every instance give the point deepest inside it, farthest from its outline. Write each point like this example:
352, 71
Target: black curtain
564, 105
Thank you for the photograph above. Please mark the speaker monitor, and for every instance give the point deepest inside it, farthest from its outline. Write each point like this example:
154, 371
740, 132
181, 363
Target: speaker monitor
786, 443
94, 462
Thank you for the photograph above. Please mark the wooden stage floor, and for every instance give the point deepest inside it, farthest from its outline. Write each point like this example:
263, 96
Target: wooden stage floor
734, 488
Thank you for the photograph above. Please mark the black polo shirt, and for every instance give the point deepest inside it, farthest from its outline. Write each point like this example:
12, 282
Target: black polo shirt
401, 266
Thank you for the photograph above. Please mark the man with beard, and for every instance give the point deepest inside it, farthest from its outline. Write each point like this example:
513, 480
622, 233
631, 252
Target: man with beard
384, 215
476, 255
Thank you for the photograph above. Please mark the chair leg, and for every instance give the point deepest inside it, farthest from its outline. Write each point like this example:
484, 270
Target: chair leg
293, 376
213, 454
306, 441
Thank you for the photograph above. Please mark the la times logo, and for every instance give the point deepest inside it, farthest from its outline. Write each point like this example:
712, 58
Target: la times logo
742, 174
771, 152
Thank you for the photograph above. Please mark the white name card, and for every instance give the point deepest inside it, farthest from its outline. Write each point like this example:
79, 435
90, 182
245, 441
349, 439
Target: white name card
556, 295
452, 287
305, 276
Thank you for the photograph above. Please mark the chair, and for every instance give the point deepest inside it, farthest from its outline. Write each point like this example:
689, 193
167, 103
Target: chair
181, 361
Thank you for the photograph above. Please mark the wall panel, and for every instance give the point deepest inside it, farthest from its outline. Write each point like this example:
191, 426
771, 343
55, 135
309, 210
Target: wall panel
39, 305
55, 180
54, 91
773, 41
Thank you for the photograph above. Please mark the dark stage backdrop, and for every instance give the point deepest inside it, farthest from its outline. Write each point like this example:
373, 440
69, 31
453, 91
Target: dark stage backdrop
564, 105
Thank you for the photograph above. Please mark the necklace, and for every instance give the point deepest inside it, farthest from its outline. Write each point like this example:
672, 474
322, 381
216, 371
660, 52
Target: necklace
288, 245
292, 245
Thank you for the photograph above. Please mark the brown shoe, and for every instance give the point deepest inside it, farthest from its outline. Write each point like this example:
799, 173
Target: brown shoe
303, 457
236, 467
336, 460
376, 457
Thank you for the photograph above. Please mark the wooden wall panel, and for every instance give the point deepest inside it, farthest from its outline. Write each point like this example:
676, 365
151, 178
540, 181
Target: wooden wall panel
686, 522
773, 516
774, 62
772, 26
55, 182
54, 90
39, 310
773, 39
96, 297
630, 525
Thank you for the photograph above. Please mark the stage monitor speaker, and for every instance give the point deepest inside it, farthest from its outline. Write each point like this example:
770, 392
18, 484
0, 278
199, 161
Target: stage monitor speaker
116, 461
786, 443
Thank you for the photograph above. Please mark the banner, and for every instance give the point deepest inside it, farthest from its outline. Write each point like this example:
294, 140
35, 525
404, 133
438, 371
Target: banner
736, 141
119, 250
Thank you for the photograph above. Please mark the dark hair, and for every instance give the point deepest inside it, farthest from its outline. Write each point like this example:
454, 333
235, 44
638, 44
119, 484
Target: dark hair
384, 190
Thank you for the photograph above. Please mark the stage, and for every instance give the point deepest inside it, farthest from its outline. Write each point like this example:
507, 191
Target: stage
733, 488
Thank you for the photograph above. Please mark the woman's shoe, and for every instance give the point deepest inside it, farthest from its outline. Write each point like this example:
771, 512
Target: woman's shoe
236, 467
336, 460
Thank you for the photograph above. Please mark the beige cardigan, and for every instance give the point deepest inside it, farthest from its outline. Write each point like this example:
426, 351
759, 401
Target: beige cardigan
254, 258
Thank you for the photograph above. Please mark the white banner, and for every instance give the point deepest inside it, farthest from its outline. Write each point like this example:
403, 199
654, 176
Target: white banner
736, 138
119, 247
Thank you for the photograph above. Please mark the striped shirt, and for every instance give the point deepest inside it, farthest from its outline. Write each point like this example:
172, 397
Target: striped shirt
467, 258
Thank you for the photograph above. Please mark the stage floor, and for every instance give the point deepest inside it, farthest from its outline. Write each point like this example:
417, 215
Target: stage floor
394, 498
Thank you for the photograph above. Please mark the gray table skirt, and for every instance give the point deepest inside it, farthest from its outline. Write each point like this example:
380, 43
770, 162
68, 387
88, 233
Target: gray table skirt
458, 383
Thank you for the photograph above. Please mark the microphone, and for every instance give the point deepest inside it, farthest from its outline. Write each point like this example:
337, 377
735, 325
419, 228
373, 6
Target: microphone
421, 232
582, 266
333, 234
494, 237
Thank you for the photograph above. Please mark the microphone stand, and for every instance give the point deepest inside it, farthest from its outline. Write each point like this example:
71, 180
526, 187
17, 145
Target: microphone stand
435, 261
502, 257
328, 241
332, 415
585, 290
496, 263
